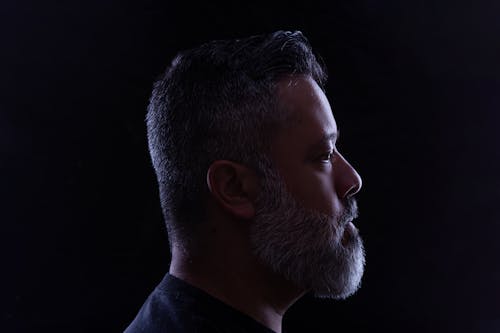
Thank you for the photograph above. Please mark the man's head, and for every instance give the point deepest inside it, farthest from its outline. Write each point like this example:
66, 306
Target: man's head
258, 104
218, 102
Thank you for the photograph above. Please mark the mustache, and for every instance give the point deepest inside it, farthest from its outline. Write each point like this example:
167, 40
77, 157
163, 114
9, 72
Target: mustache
350, 211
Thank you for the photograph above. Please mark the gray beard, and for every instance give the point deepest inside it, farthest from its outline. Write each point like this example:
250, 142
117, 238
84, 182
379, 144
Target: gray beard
315, 251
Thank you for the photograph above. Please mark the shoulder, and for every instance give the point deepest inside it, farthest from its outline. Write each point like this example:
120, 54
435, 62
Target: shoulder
171, 307
177, 307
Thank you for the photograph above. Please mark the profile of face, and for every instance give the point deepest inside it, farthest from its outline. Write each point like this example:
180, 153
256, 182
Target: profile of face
303, 228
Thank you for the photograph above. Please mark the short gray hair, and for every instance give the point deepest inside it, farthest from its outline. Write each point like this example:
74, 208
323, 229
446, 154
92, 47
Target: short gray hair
218, 101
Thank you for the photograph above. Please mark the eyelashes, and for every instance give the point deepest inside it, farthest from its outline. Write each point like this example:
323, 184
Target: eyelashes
329, 152
326, 157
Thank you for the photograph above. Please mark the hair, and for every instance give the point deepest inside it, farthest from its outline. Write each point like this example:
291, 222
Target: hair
217, 101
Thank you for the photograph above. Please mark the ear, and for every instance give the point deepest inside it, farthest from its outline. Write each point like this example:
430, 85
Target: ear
234, 187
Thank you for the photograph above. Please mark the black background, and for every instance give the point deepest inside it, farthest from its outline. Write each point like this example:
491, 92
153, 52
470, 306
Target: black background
415, 90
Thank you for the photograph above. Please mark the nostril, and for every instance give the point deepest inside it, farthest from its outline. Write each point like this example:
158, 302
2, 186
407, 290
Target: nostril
353, 189
350, 192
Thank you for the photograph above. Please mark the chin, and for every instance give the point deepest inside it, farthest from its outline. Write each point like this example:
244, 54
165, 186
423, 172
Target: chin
328, 268
342, 277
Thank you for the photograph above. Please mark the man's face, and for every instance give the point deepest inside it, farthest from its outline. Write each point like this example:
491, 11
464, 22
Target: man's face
302, 226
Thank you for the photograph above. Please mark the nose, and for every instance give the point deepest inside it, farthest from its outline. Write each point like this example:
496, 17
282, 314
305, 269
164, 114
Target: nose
347, 180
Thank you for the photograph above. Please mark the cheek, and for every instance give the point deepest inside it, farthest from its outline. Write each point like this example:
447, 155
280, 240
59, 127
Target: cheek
323, 197
316, 191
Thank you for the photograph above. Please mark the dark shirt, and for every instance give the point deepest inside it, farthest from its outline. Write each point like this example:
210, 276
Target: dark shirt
177, 307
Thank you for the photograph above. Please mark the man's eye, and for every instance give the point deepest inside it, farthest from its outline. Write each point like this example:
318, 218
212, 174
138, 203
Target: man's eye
326, 157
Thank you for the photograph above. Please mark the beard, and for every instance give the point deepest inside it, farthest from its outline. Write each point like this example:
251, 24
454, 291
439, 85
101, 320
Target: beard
317, 252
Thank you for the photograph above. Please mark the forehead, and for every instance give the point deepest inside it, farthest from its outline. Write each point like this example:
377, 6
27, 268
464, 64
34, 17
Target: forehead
308, 111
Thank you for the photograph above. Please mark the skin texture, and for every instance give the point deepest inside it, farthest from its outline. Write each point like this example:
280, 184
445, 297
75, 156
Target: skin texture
318, 184
316, 177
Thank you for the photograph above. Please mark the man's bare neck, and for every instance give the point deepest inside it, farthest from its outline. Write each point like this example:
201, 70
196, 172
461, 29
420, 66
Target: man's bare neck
244, 285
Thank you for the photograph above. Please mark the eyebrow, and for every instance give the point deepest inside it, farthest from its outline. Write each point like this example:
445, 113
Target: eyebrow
325, 139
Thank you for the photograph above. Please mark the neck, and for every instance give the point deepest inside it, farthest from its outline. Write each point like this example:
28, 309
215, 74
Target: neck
236, 278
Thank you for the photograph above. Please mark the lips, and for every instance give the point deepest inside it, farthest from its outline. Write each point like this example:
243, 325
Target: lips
349, 232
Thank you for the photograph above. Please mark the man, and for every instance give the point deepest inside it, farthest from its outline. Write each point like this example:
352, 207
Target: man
257, 199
